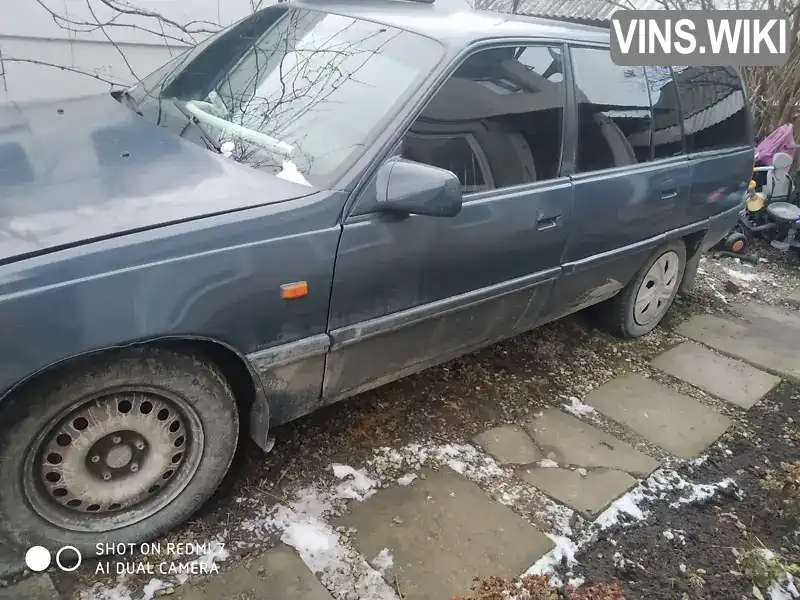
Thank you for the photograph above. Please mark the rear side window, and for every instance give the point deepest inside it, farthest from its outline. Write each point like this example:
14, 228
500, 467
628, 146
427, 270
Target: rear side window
667, 131
497, 121
614, 116
713, 107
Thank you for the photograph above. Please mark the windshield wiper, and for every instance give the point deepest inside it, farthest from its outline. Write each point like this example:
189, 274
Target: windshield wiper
192, 121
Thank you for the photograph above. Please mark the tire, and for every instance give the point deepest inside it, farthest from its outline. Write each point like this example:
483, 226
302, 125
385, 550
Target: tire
619, 316
171, 416
736, 242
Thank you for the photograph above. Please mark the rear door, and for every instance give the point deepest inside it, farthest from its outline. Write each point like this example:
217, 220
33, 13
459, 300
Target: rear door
414, 291
630, 184
719, 138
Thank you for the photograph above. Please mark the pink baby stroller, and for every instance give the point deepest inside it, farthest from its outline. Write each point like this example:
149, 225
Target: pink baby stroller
772, 209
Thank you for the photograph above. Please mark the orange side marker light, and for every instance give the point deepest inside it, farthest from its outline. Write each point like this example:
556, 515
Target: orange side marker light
290, 291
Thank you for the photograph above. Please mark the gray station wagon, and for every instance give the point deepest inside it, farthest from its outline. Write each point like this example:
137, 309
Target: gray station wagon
318, 200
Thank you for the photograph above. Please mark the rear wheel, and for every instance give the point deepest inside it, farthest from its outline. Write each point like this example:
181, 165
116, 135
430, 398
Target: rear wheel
641, 305
117, 452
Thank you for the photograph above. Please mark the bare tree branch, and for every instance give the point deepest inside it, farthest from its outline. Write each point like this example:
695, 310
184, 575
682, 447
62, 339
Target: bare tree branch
3, 71
126, 8
110, 41
42, 63
76, 26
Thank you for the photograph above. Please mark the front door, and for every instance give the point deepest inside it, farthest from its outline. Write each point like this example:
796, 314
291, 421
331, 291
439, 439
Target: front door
413, 291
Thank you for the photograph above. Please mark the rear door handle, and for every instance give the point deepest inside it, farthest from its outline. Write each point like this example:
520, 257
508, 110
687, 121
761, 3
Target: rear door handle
545, 222
668, 189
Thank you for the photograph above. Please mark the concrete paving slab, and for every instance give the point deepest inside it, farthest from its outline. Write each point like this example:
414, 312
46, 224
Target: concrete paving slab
278, 574
767, 340
442, 531
38, 587
576, 443
726, 378
509, 445
589, 493
677, 423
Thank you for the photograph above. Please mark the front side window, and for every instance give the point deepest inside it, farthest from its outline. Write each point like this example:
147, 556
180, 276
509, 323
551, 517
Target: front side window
290, 89
497, 121
713, 107
614, 116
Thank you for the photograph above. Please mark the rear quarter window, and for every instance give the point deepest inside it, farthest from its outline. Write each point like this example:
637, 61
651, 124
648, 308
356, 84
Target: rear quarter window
713, 108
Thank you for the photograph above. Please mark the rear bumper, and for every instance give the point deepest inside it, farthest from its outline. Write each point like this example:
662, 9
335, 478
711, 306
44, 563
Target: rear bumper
719, 225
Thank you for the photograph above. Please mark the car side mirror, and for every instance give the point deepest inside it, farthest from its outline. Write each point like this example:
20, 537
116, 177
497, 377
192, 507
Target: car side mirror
409, 187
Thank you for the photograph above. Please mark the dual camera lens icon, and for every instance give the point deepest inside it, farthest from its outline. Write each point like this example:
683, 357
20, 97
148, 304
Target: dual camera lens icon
38, 558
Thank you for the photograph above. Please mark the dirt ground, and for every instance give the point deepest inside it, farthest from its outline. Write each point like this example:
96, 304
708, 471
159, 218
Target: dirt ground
693, 550
453, 402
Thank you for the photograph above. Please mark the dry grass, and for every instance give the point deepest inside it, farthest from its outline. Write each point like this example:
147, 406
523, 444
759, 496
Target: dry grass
537, 587
783, 487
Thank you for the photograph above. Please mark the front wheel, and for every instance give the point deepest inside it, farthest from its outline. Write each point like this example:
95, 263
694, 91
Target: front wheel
120, 451
641, 304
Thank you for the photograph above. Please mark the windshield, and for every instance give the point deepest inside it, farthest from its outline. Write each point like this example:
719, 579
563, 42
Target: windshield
296, 92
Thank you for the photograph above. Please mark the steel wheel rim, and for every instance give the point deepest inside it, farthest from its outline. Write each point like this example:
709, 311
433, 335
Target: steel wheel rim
115, 459
656, 289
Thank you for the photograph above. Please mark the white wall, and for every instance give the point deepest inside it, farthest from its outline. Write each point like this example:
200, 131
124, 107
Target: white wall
29, 31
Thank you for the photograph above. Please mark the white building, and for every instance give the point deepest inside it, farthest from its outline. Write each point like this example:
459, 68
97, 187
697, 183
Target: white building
37, 36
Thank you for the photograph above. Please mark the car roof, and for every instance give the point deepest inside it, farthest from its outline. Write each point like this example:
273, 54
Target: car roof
455, 23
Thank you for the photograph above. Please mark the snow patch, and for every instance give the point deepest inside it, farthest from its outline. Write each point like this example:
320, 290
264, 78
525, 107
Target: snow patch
701, 493
563, 553
626, 510
624, 505
480, 468
548, 463
407, 479
743, 276
785, 591
457, 466
678, 534
579, 409
576, 582
357, 487
290, 172
303, 525
699, 461
383, 561
152, 587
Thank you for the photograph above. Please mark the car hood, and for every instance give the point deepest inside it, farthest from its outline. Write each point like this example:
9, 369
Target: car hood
89, 168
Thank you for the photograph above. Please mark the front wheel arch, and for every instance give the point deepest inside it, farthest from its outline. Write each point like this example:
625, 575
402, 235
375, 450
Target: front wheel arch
116, 389
248, 390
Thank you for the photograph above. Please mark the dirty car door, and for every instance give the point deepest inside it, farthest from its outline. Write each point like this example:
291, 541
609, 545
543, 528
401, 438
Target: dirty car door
412, 291
631, 185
